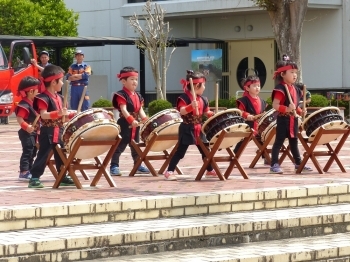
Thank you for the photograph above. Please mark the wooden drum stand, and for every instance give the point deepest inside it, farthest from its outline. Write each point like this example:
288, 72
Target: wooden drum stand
71, 163
232, 158
143, 157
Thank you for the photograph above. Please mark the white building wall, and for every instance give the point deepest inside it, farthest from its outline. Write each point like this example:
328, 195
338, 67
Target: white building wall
346, 43
103, 18
325, 39
322, 49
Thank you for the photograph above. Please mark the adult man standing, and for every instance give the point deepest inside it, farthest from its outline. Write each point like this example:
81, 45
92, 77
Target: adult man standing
44, 59
78, 74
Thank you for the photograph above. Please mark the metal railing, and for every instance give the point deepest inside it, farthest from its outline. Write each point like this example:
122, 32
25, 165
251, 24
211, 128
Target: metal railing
261, 91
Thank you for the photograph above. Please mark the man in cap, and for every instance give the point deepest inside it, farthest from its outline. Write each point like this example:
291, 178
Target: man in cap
78, 74
44, 59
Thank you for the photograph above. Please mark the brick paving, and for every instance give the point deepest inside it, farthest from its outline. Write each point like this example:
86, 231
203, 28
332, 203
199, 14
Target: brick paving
14, 192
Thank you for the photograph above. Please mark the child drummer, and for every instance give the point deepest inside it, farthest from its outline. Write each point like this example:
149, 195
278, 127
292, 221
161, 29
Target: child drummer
251, 105
129, 103
190, 128
51, 108
287, 124
26, 115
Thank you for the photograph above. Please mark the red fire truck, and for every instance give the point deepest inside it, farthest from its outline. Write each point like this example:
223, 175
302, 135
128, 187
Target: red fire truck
13, 67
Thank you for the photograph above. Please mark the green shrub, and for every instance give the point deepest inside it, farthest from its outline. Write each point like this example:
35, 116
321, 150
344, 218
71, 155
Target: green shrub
228, 103
269, 103
156, 106
232, 103
221, 103
102, 102
318, 101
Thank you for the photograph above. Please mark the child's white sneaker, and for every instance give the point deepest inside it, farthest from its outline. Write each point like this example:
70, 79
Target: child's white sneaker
169, 175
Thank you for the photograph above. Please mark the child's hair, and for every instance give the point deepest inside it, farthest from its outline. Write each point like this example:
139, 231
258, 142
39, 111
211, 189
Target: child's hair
126, 69
252, 79
299, 85
51, 70
285, 61
27, 81
194, 75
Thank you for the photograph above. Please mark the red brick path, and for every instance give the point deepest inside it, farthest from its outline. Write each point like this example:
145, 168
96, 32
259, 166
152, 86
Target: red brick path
14, 192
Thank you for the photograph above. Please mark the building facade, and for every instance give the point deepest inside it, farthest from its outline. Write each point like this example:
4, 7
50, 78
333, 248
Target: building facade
247, 32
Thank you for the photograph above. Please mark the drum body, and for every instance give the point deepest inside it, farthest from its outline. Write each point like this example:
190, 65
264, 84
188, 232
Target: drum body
265, 125
230, 120
267, 122
328, 118
92, 124
165, 122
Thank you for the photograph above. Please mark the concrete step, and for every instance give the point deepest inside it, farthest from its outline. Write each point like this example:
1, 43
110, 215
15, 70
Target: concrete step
168, 234
140, 208
331, 248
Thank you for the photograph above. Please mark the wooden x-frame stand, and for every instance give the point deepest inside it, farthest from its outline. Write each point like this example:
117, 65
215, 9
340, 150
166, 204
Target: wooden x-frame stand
71, 164
52, 166
329, 151
144, 157
264, 150
232, 158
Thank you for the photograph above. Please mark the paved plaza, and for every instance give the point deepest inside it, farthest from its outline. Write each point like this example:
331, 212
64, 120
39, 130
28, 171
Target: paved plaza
15, 192
268, 217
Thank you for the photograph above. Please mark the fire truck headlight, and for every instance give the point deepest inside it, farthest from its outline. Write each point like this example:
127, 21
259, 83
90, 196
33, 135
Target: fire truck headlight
6, 99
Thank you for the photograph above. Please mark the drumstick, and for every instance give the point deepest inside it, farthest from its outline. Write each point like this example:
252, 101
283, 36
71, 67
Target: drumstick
193, 95
259, 115
36, 120
65, 97
290, 99
81, 99
304, 100
216, 97
33, 125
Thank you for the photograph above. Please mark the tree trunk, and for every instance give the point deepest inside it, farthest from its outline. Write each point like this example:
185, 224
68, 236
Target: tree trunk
158, 81
287, 22
164, 71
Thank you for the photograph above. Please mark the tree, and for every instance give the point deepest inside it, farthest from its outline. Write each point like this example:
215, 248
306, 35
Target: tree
153, 40
287, 17
39, 18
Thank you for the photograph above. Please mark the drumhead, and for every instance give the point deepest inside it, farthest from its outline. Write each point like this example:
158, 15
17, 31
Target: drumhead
168, 128
234, 111
337, 124
317, 112
94, 131
98, 129
155, 116
230, 141
84, 113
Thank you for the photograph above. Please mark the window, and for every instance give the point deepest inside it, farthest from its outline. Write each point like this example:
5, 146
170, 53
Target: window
3, 59
21, 55
142, 1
